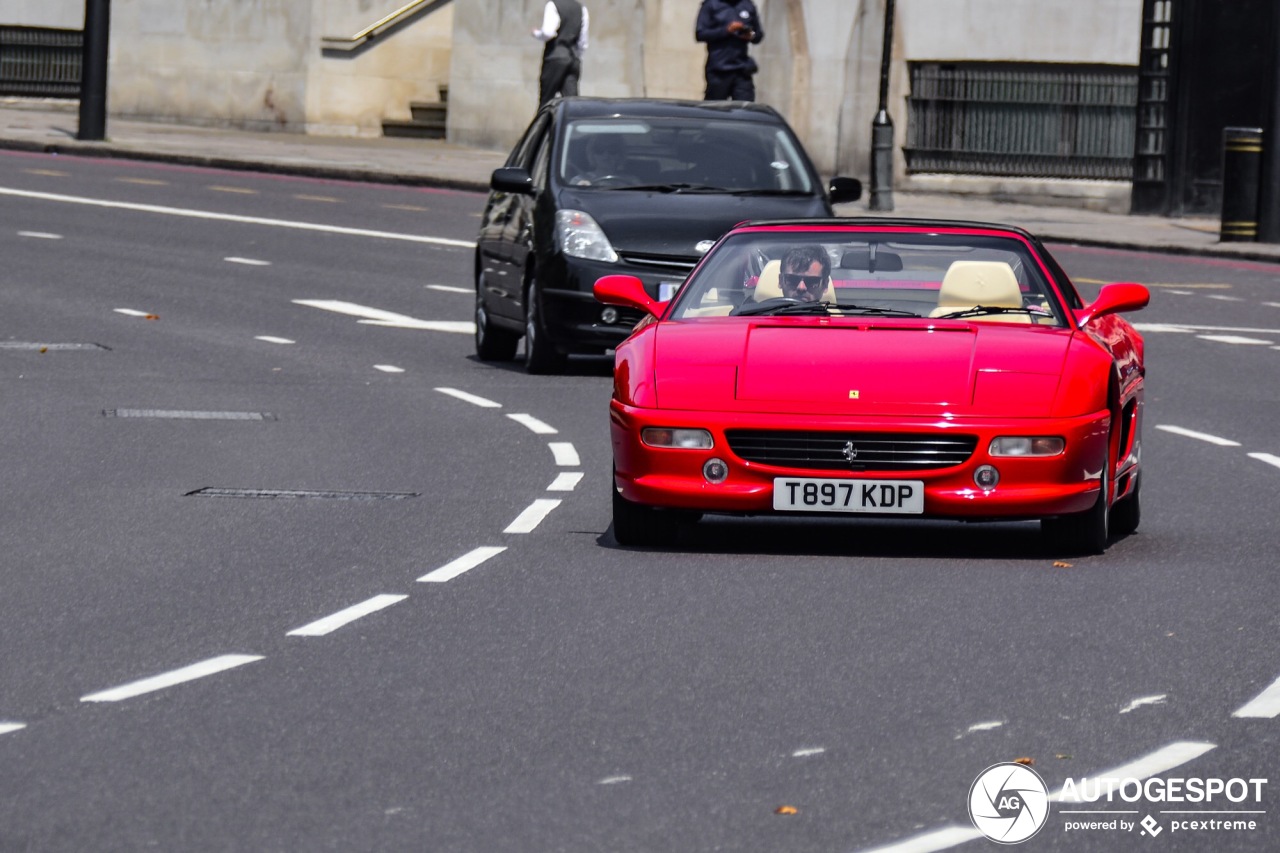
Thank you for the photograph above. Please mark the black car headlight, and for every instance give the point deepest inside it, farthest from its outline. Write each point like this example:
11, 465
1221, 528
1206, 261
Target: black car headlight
578, 236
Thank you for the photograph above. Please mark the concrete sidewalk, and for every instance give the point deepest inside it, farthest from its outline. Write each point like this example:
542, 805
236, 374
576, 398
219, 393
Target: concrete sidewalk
51, 126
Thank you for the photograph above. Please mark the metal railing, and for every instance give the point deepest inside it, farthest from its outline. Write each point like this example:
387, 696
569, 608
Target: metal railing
385, 26
40, 62
1022, 120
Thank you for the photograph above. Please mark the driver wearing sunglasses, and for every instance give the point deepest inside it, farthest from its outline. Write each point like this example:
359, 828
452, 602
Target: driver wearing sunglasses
806, 273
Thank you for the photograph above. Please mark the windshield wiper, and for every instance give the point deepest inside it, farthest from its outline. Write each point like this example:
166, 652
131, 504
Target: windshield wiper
766, 191
878, 312
782, 306
980, 310
668, 188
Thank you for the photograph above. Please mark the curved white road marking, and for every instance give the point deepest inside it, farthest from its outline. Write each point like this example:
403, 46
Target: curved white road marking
470, 398
244, 220
1268, 458
527, 521
534, 424
169, 679
1200, 436
1266, 705
566, 456
465, 563
565, 482
333, 622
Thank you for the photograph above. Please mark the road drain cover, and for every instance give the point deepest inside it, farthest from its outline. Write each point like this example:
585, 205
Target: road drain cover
182, 414
299, 493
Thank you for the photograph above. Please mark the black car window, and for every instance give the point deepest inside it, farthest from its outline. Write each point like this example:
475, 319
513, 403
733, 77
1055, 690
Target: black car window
522, 155
541, 161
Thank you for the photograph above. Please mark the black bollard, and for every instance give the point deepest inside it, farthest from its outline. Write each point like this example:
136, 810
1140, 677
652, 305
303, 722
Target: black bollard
1241, 180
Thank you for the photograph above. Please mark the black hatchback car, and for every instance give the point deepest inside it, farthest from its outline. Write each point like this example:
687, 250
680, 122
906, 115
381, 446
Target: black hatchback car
635, 186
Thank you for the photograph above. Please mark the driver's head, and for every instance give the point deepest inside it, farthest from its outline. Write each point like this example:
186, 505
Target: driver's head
606, 152
806, 272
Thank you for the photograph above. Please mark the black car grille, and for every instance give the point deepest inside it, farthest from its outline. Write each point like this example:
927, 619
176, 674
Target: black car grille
669, 264
866, 451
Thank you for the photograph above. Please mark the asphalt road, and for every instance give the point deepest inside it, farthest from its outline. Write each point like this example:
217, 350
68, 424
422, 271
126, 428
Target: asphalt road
285, 568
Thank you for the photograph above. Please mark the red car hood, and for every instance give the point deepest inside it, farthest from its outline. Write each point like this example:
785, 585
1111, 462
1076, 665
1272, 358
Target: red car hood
810, 366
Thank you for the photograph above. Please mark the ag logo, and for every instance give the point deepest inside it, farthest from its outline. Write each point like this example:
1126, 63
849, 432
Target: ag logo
1008, 803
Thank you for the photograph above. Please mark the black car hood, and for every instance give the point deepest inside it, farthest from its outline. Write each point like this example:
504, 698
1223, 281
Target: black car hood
654, 223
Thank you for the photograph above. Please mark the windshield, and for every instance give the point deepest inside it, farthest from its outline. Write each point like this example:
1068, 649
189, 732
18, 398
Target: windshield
682, 155
928, 275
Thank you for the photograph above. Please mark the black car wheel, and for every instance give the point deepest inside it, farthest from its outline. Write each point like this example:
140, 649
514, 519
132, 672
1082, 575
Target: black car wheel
1126, 514
1084, 532
635, 524
540, 355
492, 344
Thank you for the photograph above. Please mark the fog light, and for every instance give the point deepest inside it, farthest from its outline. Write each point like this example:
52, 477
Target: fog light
986, 477
609, 315
683, 439
715, 471
1026, 445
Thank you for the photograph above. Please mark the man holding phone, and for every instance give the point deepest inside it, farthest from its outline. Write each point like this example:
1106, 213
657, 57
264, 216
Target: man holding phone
727, 27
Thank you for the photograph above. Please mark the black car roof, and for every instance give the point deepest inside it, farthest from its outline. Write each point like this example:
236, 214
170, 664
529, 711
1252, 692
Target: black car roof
579, 107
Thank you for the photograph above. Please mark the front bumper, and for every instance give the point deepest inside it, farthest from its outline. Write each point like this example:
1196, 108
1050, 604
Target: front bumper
1028, 487
572, 315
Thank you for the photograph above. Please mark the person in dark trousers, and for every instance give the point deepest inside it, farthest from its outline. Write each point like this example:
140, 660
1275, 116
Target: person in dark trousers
564, 31
728, 26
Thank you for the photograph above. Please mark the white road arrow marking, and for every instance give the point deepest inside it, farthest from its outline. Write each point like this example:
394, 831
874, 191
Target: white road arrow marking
378, 317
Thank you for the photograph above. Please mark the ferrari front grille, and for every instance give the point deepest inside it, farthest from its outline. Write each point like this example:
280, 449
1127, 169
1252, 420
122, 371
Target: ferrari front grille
851, 451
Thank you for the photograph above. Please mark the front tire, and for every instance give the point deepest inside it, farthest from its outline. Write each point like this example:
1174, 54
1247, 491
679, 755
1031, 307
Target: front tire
1084, 532
1126, 514
540, 354
638, 525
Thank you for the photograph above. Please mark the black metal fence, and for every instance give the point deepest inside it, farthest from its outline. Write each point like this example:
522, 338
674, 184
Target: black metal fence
1022, 120
40, 62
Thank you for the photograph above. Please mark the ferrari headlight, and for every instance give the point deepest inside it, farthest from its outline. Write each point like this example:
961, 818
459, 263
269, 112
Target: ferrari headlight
1026, 445
578, 236
682, 439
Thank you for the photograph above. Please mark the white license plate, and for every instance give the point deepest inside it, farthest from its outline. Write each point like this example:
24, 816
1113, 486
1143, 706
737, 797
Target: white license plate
667, 289
816, 494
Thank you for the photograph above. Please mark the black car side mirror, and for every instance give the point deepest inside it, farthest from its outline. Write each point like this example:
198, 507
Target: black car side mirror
511, 179
843, 190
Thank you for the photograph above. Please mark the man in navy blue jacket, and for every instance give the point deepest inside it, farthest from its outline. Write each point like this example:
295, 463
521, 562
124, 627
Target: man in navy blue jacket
728, 26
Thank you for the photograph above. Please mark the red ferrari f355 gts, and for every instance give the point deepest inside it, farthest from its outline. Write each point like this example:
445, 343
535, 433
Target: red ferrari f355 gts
877, 366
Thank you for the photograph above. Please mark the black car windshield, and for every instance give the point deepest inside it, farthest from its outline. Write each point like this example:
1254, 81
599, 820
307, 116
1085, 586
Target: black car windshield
792, 272
681, 155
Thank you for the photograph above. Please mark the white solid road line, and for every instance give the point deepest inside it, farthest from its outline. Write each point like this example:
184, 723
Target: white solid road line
1235, 339
1202, 436
378, 317
533, 515
1161, 761
470, 398
1188, 327
5, 728
1267, 458
329, 624
465, 563
1266, 705
565, 482
566, 456
534, 424
243, 220
169, 679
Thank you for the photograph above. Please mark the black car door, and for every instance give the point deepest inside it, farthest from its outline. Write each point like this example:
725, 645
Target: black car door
517, 226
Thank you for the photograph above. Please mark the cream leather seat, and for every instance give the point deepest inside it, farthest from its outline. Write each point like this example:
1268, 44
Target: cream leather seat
969, 284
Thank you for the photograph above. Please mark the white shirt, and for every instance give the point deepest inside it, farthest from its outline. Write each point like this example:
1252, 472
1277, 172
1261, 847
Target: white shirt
551, 26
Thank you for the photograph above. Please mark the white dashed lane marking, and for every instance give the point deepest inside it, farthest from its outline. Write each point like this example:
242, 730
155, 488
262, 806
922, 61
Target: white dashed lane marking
1199, 436
1268, 458
40, 235
565, 482
1266, 705
329, 624
448, 289
249, 262
169, 679
807, 751
272, 339
528, 521
565, 454
613, 780
388, 368
470, 398
1145, 700
1234, 339
465, 563
133, 312
378, 317
534, 424
6, 728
